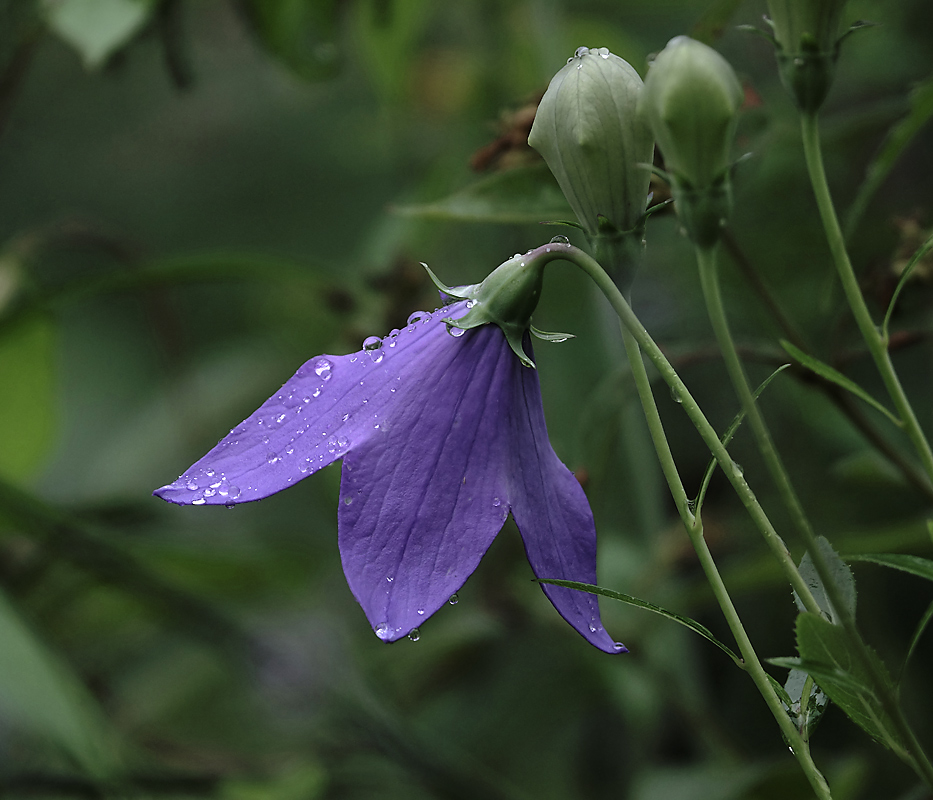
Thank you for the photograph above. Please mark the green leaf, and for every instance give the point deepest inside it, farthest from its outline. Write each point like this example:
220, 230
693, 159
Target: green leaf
693, 625
727, 437
40, 694
827, 654
27, 396
841, 576
834, 376
302, 34
897, 140
905, 275
521, 194
807, 714
97, 28
915, 565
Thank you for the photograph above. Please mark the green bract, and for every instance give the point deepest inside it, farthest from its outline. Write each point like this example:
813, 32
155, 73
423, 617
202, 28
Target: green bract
692, 98
807, 35
592, 137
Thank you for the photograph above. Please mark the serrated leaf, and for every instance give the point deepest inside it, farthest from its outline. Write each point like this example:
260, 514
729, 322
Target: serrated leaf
38, 693
841, 575
521, 194
693, 625
97, 28
834, 376
827, 654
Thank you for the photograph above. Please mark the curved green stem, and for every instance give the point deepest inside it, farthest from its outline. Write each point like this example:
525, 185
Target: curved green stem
694, 526
878, 347
876, 342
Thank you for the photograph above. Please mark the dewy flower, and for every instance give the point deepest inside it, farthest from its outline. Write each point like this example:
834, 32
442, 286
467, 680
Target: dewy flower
442, 434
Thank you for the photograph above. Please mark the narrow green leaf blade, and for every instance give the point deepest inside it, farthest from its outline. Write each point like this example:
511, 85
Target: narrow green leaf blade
915, 565
693, 625
834, 376
521, 194
905, 276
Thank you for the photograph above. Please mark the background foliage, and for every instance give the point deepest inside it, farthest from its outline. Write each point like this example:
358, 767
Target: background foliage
196, 197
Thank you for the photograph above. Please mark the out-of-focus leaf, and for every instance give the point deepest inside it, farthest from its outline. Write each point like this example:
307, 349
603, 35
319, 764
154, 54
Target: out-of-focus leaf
40, 694
97, 28
905, 276
302, 34
693, 625
522, 194
27, 402
834, 376
841, 576
898, 138
827, 654
714, 21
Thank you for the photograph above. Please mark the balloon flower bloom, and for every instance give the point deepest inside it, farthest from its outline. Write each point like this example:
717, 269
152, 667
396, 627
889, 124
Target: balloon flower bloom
441, 430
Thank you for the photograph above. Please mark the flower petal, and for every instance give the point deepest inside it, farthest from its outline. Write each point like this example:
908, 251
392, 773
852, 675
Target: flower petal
328, 407
421, 504
553, 515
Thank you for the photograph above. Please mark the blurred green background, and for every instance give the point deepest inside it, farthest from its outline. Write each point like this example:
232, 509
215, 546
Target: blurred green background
196, 196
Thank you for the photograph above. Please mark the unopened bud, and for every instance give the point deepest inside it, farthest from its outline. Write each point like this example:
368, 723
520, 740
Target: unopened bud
592, 137
692, 98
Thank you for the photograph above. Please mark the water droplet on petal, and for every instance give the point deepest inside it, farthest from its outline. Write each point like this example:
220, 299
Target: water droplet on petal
454, 599
603, 51
210, 492
560, 240
209, 472
280, 419
372, 343
415, 635
347, 500
454, 331
198, 501
234, 492
191, 485
619, 646
470, 303
342, 442
382, 631
323, 368
420, 612
581, 51
389, 578
316, 392
496, 502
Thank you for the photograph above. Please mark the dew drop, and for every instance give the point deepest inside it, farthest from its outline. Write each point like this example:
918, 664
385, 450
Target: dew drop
271, 458
470, 303
454, 331
230, 506
416, 317
415, 635
603, 51
342, 442
676, 396
347, 500
345, 417
316, 392
420, 612
372, 343
280, 419
323, 369
496, 502
619, 646
209, 472
234, 492
454, 599
191, 486
581, 51
389, 578
198, 501
560, 240
210, 492
382, 631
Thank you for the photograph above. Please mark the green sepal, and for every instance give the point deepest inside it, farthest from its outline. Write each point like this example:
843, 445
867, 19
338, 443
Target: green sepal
456, 292
551, 337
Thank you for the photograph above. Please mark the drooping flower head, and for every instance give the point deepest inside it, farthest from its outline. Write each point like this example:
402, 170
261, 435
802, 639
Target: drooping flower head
441, 430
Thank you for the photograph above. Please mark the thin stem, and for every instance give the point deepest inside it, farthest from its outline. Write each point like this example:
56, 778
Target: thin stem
694, 526
878, 347
877, 344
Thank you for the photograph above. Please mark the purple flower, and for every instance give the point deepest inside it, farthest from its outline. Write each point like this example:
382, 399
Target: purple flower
442, 434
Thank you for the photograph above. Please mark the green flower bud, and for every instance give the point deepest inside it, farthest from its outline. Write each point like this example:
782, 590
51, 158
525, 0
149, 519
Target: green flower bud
807, 34
692, 98
591, 135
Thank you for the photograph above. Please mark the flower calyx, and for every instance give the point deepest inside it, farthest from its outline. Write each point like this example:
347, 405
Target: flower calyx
807, 35
507, 298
